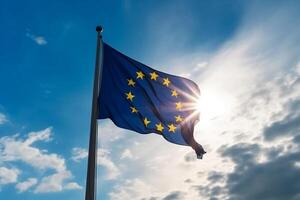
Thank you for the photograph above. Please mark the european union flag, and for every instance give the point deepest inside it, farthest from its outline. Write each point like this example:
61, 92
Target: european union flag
142, 99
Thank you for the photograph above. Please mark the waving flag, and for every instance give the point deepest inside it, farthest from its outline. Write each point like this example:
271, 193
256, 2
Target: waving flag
139, 98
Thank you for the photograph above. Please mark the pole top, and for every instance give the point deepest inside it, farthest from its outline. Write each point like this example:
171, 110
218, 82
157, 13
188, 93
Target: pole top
99, 29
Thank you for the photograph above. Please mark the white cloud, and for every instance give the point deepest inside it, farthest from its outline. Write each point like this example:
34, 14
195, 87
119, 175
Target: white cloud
104, 159
53, 183
43, 135
40, 40
72, 186
200, 66
137, 189
16, 149
131, 189
3, 118
24, 186
79, 154
186, 75
56, 183
8, 175
106, 136
126, 154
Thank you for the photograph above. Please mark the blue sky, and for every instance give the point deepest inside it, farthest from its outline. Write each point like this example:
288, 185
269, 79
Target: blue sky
244, 56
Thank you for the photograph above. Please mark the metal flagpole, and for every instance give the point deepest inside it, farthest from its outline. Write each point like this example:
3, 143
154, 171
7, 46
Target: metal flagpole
91, 180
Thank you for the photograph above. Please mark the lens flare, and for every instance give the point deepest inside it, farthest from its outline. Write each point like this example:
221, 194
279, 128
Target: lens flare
211, 104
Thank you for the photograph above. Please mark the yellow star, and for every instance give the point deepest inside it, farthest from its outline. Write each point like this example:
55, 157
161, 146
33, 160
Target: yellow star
131, 82
174, 93
140, 75
178, 105
130, 96
166, 82
153, 76
146, 121
133, 110
178, 118
159, 127
172, 128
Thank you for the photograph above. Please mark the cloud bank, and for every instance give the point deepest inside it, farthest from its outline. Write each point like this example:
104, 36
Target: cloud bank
15, 149
249, 125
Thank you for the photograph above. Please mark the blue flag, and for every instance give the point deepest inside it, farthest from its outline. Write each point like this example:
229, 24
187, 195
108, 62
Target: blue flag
142, 99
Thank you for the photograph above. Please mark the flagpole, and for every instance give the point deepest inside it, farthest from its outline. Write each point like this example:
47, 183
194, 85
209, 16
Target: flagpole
91, 180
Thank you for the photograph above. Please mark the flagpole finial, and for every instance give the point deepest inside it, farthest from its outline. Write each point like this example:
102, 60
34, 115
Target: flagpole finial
99, 29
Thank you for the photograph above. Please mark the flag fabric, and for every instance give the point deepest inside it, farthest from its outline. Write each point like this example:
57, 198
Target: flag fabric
142, 99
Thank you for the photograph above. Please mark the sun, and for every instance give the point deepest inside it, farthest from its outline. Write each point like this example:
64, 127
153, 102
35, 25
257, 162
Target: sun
212, 104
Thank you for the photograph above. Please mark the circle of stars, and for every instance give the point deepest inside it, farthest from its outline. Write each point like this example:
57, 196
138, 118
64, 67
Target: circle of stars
159, 126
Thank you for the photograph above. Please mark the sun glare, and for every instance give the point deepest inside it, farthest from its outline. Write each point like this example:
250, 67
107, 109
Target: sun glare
213, 104
210, 105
